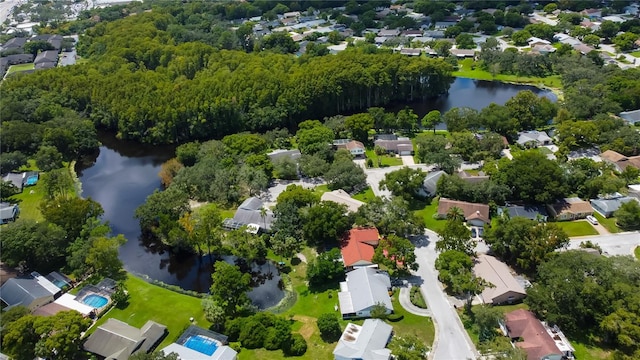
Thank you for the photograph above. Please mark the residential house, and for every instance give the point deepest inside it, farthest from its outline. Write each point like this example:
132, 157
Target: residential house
430, 183
362, 291
117, 340
410, 52
614, 18
583, 49
607, 206
22, 180
441, 25
366, 342
620, 161
533, 138
54, 40
16, 59
31, 291
436, 34
543, 49
533, 41
570, 209
531, 212
291, 14
16, 44
280, 154
46, 59
356, 148
412, 33
592, 13
196, 343
631, 117
463, 53
475, 214
400, 146
8, 212
389, 32
342, 197
252, 214
471, 178
385, 137
634, 190
358, 246
506, 289
538, 340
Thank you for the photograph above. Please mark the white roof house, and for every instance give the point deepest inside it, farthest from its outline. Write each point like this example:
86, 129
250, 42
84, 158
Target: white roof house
365, 288
366, 342
342, 197
537, 138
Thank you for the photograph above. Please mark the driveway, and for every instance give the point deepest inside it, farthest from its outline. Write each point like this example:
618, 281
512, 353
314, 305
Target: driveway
407, 160
612, 244
452, 341
405, 300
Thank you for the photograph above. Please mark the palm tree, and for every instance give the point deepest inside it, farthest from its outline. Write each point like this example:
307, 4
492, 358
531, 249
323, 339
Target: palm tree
263, 215
455, 214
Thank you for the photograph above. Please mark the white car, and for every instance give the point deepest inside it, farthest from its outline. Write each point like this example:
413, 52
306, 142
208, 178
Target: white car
592, 220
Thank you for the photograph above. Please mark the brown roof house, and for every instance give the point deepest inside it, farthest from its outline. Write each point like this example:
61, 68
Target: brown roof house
356, 148
475, 214
570, 209
506, 289
538, 340
620, 161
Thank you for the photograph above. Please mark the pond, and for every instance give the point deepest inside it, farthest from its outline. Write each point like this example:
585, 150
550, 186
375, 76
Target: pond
125, 173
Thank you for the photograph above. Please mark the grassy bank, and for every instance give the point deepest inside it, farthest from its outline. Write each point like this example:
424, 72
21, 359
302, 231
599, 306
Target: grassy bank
470, 69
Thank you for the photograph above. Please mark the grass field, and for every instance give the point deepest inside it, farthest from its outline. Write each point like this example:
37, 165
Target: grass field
427, 214
151, 302
385, 160
21, 67
637, 252
465, 70
577, 228
608, 223
29, 202
635, 54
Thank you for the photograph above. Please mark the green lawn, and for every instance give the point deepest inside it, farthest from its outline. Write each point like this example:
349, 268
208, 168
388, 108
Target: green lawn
151, 302
608, 223
21, 67
29, 202
635, 54
465, 70
385, 160
637, 252
321, 189
227, 213
427, 214
577, 228
365, 195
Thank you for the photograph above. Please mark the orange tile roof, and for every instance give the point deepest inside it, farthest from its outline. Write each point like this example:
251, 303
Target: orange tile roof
536, 341
359, 245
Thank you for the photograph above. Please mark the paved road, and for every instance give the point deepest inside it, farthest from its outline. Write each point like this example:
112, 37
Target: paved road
612, 244
405, 300
452, 341
6, 7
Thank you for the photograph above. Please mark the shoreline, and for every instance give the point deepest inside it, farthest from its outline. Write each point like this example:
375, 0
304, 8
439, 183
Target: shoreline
557, 91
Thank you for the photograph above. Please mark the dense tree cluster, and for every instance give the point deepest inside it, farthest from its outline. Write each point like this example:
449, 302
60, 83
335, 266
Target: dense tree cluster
265, 330
525, 243
193, 90
587, 293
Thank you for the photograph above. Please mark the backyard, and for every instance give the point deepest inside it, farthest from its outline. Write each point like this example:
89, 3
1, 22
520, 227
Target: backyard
151, 302
22, 67
577, 228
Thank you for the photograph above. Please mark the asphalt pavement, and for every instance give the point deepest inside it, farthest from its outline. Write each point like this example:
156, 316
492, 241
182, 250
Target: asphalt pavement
611, 244
452, 341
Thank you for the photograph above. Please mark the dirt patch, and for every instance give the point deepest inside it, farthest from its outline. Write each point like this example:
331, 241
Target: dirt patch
308, 325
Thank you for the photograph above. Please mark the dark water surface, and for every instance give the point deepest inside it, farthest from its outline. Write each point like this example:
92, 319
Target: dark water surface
125, 173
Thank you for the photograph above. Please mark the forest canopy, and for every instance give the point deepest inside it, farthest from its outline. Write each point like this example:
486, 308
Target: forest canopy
146, 86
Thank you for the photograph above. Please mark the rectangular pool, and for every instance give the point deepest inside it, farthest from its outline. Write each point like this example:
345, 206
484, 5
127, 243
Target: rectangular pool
201, 344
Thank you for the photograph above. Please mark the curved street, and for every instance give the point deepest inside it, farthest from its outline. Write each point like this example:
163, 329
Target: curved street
452, 341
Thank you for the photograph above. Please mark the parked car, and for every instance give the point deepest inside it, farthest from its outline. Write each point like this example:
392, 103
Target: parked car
592, 220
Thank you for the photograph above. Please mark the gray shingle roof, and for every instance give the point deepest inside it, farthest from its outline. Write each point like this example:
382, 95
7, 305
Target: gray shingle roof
118, 340
610, 205
366, 342
24, 290
526, 211
430, 182
365, 288
47, 56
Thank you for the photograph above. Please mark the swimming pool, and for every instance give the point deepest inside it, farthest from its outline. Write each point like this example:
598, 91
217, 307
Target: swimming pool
95, 301
201, 344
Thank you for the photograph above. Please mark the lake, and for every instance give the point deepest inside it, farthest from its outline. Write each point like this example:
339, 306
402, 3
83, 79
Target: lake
124, 173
